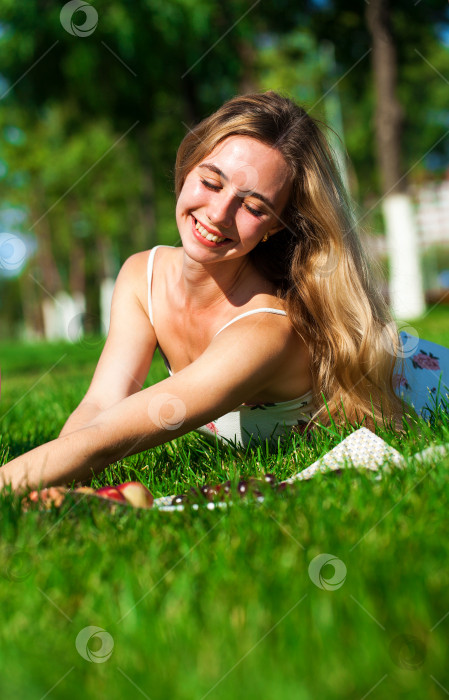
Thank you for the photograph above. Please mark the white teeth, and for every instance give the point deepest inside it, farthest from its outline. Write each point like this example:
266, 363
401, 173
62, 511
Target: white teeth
206, 234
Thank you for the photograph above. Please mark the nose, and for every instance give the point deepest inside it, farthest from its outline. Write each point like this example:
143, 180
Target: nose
221, 208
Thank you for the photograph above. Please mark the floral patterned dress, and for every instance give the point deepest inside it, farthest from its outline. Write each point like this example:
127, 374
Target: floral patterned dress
422, 374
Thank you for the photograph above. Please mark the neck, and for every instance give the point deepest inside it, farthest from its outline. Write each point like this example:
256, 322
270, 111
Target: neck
205, 286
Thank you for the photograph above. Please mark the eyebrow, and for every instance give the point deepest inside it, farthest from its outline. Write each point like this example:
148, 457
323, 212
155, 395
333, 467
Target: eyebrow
215, 169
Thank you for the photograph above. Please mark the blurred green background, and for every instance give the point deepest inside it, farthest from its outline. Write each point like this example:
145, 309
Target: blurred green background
94, 104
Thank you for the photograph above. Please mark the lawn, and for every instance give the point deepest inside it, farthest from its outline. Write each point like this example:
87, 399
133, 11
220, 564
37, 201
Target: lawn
221, 604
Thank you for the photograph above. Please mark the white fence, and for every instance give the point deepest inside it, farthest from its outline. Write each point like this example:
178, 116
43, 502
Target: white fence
432, 213
431, 209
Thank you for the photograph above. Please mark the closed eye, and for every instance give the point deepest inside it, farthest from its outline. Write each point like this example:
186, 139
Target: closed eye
216, 188
256, 212
210, 186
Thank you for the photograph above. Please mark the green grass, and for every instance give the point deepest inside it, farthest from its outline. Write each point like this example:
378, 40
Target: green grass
433, 326
220, 604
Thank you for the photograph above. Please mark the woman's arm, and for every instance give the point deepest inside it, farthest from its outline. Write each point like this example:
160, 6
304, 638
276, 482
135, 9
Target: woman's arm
238, 362
129, 348
120, 372
75, 456
86, 412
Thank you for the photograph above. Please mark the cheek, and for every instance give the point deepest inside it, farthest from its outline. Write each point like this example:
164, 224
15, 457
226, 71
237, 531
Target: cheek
250, 226
189, 196
251, 222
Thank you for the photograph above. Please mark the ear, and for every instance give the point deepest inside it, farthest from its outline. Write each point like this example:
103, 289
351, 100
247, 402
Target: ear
275, 229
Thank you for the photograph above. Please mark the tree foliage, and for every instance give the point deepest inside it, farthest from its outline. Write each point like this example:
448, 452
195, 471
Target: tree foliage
97, 119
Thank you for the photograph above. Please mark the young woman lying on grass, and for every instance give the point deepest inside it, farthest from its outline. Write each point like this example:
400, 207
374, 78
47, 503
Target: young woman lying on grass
266, 310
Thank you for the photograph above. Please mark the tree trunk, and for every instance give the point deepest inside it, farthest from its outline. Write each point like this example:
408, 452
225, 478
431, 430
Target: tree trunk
191, 107
247, 55
77, 264
31, 307
389, 114
44, 273
147, 237
406, 287
49, 274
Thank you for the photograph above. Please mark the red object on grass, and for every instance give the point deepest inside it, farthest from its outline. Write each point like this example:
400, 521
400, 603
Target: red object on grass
112, 493
136, 494
132, 492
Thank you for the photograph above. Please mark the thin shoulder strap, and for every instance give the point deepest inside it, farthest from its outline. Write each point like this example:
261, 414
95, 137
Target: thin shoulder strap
248, 313
150, 277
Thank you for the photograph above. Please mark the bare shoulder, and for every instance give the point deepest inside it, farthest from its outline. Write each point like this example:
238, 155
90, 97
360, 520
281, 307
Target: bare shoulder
134, 269
251, 357
273, 331
131, 341
278, 345
133, 277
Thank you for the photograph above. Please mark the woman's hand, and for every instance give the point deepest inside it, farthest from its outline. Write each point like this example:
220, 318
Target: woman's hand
131, 493
55, 495
73, 457
47, 497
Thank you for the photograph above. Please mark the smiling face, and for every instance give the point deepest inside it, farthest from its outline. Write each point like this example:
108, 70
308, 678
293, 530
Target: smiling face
238, 193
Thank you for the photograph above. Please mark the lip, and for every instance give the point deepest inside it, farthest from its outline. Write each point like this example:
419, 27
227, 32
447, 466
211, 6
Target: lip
204, 241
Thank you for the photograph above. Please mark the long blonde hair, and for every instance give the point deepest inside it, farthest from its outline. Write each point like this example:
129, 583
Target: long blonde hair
316, 261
